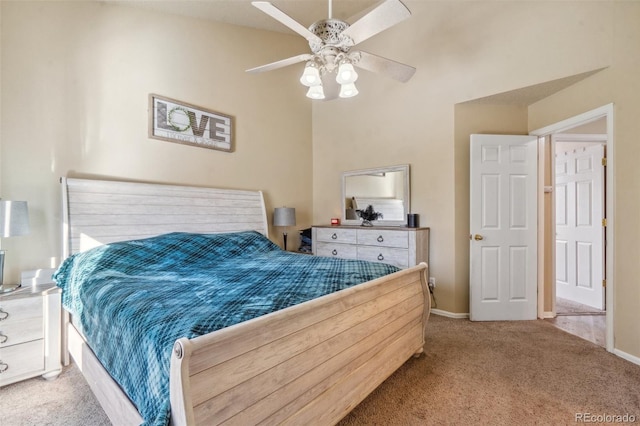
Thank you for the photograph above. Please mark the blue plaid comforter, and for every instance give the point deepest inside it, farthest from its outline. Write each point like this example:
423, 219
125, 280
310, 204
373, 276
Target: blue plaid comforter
133, 299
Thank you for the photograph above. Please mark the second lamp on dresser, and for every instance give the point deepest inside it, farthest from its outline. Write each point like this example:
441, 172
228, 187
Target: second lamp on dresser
398, 246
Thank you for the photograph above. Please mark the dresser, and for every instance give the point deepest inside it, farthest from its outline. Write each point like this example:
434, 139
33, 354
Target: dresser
30, 322
398, 246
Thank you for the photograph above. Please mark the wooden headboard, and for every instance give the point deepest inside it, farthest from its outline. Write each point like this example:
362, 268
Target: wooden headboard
97, 212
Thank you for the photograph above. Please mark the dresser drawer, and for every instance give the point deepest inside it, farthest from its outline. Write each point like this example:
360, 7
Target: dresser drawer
393, 256
383, 238
18, 360
345, 251
336, 235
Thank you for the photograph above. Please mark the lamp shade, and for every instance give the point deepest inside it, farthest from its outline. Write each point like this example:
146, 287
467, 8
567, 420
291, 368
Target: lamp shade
14, 218
348, 90
346, 74
284, 216
315, 92
311, 75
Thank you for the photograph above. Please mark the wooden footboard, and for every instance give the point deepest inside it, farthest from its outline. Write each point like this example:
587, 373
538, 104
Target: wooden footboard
308, 364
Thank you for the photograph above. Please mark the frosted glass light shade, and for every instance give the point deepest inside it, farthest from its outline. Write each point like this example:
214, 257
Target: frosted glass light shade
311, 76
348, 90
346, 73
315, 92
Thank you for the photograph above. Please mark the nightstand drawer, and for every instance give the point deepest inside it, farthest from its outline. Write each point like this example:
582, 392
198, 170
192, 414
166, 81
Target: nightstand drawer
345, 251
20, 309
15, 332
19, 360
392, 256
336, 235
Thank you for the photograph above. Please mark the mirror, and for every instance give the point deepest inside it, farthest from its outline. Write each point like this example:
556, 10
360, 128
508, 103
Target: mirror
386, 189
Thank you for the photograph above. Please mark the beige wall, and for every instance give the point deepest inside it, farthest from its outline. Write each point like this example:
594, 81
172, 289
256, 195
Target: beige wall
75, 82
469, 50
618, 84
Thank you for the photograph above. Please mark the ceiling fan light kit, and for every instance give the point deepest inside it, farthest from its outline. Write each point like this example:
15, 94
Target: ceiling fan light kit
331, 41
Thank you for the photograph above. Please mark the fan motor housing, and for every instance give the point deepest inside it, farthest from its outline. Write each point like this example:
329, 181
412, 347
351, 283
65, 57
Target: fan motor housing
330, 32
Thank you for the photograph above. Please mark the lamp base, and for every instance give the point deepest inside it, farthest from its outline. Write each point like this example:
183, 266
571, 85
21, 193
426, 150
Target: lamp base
7, 288
284, 238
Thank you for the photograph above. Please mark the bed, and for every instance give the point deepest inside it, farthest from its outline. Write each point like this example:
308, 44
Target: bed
309, 362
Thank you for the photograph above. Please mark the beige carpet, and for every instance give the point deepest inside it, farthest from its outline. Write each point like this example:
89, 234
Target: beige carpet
497, 373
502, 373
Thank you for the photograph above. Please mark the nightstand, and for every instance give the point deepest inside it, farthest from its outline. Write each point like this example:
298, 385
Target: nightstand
30, 319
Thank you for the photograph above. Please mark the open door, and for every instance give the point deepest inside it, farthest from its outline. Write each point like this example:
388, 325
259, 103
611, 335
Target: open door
503, 240
579, 191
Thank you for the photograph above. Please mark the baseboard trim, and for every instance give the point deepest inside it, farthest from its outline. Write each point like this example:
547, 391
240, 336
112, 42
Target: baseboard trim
449, 314
628, 357
547, 314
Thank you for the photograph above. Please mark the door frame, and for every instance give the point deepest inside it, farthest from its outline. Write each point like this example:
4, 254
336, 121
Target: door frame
605, 111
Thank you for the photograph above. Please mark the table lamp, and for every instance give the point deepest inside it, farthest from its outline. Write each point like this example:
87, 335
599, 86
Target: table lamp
14, 221
284, 216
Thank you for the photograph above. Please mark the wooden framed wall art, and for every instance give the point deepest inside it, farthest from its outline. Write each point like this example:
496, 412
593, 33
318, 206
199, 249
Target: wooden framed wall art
175, 121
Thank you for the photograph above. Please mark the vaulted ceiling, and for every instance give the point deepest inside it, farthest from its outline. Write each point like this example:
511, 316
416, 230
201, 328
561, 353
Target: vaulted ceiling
241, 12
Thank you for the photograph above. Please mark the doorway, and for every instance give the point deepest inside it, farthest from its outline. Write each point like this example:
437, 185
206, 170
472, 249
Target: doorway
592, 327
579, 193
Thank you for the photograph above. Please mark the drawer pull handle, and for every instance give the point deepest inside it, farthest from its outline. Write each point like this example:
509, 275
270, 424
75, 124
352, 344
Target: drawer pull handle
3, 367
380, 257
334, 236
334, 252
3, 315
380, 239
3, 338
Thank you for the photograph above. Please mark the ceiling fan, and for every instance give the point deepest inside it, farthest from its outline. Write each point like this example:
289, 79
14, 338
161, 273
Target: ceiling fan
329, 71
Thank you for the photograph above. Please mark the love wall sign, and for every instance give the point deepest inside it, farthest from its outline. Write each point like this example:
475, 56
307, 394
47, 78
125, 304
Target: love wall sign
176, 121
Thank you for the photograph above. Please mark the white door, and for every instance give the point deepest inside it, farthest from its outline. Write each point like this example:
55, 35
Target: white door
503, 270
579, 233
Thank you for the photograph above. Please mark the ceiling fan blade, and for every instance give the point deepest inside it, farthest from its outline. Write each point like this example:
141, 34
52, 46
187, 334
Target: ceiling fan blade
393, 69
285, 19
379, 18
282, 63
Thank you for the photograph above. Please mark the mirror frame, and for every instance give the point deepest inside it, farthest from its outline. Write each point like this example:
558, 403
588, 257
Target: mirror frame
404, 168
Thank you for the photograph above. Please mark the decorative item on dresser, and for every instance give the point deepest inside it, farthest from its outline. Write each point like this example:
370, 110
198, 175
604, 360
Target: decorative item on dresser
30, 333
398, 246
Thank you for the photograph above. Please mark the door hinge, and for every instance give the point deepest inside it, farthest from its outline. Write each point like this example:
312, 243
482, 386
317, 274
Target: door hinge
604, 161
604, 222
604, 283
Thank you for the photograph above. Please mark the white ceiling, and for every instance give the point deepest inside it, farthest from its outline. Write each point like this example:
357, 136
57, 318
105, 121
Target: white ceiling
241, 12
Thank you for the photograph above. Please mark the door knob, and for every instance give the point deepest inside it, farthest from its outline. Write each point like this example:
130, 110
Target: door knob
478, 237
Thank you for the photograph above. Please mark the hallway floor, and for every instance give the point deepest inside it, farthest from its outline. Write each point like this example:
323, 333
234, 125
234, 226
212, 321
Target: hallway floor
580, 320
